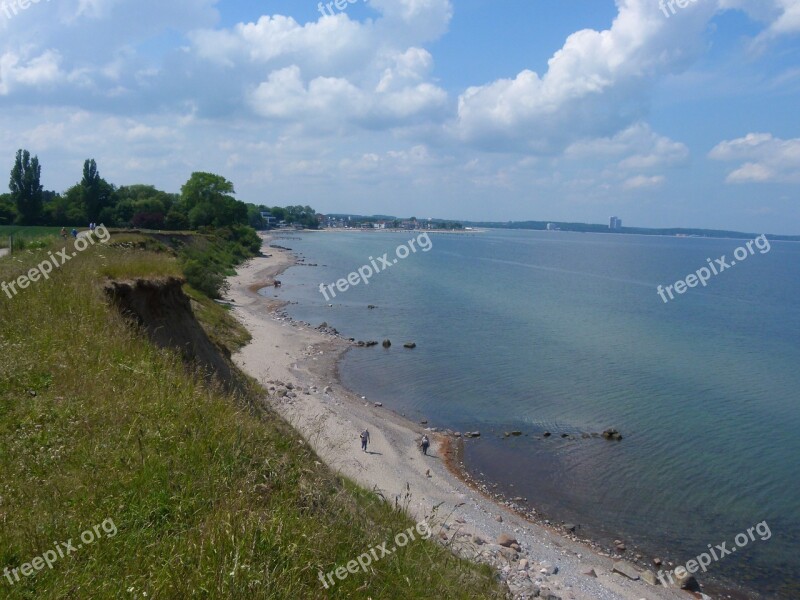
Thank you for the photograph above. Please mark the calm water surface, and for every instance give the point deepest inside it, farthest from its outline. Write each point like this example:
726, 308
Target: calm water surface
562, 332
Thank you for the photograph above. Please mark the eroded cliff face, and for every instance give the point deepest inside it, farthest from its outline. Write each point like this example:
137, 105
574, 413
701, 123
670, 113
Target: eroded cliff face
164, 312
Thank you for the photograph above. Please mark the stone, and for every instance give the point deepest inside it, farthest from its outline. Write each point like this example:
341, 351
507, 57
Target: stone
516, 433
478, 540
657, 562
625, 568
686, 580
649, 577
590, 573
387, 343
505, 540
509, 554
569, 526
409, 345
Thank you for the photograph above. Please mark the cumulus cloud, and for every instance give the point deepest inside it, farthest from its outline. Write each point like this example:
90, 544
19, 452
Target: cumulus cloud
767, 158
595, 85
19, 72
636, 147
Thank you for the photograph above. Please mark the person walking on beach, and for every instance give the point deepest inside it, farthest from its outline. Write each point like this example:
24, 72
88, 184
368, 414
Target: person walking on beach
425, 444
364, 439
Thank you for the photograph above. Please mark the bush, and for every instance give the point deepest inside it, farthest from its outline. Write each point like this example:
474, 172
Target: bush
204, 278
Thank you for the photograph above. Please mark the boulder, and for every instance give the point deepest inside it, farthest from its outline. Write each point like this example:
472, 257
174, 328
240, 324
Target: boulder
612, 434
625, 568
649, 577
409, 345
548, 568
505, 540
387, 343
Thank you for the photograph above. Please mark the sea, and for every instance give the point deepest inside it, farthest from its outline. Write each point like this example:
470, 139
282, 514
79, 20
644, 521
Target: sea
567, 334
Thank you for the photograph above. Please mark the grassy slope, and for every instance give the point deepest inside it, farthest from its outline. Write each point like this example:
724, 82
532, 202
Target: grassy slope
211, 499
27, 234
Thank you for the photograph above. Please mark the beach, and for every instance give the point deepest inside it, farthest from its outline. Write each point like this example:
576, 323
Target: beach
297, 363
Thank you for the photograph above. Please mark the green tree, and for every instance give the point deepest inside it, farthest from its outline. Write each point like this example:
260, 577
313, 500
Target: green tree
207, 199
26, 188
96, 192
8, 213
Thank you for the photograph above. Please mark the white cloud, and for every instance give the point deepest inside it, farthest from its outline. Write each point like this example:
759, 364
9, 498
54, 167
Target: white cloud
642, 181
18, 72
783, 16
637, 147
595, 85
768, 159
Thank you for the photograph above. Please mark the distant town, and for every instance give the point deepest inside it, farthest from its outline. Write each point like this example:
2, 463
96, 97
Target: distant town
271, 219
334, 221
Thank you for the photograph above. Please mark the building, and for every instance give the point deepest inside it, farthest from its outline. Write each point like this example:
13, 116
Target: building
615, 223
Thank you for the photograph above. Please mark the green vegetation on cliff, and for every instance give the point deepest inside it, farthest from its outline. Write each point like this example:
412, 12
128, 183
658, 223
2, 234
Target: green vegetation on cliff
210, 494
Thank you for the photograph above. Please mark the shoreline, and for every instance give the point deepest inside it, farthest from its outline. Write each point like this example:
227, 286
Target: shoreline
298, 364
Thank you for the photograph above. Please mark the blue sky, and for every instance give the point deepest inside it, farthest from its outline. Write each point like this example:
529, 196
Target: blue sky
568, 110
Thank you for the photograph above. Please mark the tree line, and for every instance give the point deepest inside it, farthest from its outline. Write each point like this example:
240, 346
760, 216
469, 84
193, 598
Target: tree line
205, 200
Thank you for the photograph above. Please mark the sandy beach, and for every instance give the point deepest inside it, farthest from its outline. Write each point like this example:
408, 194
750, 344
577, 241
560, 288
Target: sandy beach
297, 363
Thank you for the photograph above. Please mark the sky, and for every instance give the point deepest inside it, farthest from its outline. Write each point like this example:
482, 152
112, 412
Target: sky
557, 110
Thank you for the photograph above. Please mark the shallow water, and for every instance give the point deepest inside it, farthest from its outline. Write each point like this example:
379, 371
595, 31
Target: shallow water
566, 333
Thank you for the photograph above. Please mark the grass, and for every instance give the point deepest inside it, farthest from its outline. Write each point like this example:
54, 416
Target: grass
24, 235
212, 495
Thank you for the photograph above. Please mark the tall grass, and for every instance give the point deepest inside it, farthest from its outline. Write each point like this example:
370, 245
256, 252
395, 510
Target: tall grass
24, 235
212, 495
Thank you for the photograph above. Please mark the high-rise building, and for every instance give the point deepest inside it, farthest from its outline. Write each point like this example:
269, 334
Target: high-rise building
615, 223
